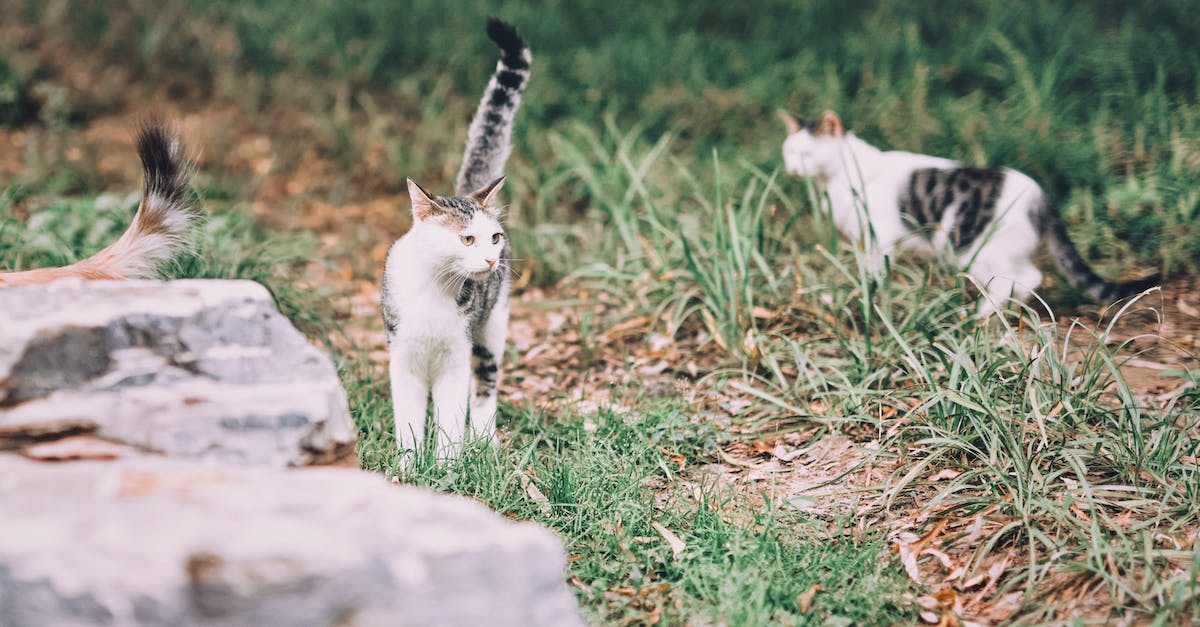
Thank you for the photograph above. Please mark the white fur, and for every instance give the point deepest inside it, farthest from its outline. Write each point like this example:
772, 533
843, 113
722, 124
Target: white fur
430, 350
864, 186
138, 254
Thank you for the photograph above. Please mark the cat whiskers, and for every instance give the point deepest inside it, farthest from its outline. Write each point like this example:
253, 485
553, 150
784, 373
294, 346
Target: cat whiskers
507, 266
451, 280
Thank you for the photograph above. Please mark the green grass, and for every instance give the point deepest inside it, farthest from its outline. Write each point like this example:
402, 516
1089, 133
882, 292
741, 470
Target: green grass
601, 481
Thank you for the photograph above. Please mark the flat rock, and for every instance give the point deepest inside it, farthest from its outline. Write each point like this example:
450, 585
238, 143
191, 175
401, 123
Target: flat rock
191, 368
157, 541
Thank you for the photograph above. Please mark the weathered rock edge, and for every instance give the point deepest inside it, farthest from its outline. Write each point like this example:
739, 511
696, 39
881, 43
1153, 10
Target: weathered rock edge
191, 368
156, 541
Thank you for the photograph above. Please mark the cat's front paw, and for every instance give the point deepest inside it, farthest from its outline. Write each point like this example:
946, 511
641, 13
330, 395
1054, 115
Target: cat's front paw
874, 263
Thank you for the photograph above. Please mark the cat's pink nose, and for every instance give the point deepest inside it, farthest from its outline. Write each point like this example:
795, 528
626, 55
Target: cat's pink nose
490, 262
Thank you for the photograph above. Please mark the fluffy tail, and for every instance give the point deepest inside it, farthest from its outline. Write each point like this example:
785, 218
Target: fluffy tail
1077, 271
489, 140
160, 226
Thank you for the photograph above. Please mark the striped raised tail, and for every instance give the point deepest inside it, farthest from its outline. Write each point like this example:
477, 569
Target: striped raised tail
489, 140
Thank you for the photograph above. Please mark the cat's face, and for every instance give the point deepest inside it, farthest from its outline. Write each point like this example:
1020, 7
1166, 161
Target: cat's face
479, 246
812, 149
464, 232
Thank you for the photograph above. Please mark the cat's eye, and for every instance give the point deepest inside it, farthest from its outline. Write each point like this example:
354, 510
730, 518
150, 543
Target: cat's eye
467, 240
495, 238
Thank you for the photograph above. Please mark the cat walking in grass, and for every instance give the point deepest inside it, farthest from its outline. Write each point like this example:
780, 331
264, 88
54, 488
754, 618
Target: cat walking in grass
989, 220
446, 282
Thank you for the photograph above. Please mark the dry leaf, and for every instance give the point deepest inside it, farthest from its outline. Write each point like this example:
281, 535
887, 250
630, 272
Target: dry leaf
945, 473
949, 599
786, 454
995, 570
930, 536
749, 345
804, 599
763, 447
1003, 607
677, 458
930, 617
711, 324
535, 494
675, 542
653, 369
972, 582
941, 557
909, 559
578, 584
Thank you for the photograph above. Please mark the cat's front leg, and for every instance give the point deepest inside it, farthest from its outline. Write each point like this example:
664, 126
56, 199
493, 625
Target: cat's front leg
880, 248
451, 391
874, 261
409, 400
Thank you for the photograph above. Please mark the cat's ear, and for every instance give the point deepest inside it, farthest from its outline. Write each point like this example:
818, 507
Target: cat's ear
423, 204
789, 121
830, 125
486, 196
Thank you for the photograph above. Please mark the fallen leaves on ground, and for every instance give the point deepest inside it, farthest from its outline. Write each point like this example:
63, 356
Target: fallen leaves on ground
675, 542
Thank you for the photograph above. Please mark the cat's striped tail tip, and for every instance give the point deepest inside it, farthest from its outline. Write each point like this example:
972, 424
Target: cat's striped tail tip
506, 36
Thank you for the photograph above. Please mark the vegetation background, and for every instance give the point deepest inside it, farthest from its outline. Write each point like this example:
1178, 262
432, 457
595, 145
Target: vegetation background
707, 399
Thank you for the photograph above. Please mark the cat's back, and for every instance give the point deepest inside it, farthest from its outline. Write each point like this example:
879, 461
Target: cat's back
904, 162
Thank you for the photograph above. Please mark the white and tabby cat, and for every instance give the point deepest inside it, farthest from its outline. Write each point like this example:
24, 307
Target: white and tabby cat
445, 282
990, 220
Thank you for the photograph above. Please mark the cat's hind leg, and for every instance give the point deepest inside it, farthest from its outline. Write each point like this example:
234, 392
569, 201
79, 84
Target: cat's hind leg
881, 246
486, 353
1003, 277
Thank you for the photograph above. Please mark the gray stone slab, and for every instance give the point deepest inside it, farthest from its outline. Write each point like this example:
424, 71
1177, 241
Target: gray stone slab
193, 368
156, 541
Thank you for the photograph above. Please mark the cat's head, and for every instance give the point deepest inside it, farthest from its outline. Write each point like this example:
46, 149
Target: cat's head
463, 231
813, 147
